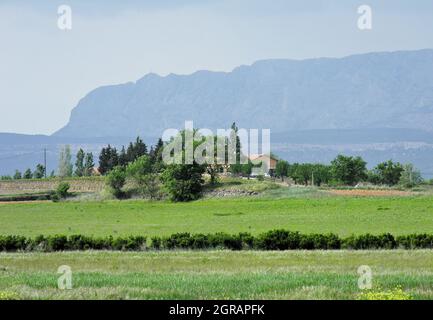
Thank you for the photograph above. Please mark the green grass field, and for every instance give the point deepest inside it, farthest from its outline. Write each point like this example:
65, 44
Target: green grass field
215, 274
341, 215
219, 274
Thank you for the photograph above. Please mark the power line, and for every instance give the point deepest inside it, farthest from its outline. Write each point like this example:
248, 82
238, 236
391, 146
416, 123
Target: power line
45, 162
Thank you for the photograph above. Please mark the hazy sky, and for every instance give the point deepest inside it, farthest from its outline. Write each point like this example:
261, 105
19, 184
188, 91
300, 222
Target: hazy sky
45, 71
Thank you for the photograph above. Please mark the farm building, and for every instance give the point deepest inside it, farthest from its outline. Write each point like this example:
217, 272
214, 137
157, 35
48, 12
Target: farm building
269, 160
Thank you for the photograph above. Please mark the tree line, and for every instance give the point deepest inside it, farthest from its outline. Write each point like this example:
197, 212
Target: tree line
347, 170
153, 179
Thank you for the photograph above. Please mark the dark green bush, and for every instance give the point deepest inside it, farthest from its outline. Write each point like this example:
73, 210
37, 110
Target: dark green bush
62, 190
319, 242
177, 241
248, 241
279, 240
80, 242
217, 240
156, 243
369, 241
415, 241
12, 243
200, 241
55, 197
233, 242
40, 243
131, 243
57, 242
271, 240
26, 197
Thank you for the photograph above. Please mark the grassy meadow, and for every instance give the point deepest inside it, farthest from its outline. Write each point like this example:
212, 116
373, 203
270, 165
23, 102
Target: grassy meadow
338, 214
215, 274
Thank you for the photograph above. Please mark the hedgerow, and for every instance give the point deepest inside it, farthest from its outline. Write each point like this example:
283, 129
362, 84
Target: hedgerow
271, 240
73, 242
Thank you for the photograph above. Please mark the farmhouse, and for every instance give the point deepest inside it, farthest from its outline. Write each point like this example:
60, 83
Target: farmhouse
269, 161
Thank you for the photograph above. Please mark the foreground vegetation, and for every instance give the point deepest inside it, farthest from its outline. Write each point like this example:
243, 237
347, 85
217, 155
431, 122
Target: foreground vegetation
215, 274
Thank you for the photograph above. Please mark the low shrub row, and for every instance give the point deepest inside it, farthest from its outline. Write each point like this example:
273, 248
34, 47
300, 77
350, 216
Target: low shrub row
26, 197
271, 240
74, 242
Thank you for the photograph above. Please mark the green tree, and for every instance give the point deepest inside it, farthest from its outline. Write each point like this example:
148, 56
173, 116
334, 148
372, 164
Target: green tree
39, 173
305, 173
282, 169
140, 148
79, 163
17, 175
373, 177
28, 174
291, 171
108, 159
183, 182
238, 168
142, 172
349, 170
140, 167
88, 164
247, 169
410, 176
308, 173
123, 158
213, 167
62, 190
135, 150
156, 152
388, 172
150, 185
65, 164
116, 179
238, 143
321, 174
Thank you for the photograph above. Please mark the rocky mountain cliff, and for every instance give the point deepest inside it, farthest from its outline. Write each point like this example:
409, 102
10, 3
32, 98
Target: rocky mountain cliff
375, 90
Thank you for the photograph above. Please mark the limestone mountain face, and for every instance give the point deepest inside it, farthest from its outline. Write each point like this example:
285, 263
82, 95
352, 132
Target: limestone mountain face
375, 90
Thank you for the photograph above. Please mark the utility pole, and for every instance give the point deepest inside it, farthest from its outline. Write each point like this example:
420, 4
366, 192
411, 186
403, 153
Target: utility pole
312, 178
45, 162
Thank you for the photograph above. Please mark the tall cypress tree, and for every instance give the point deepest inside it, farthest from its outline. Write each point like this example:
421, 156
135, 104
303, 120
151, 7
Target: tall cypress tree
123, 158
108, 159
65, 164
130, 153
140, 148
79, 163
89, 164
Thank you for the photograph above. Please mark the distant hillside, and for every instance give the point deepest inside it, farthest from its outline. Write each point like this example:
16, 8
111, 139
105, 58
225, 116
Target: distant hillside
377, 105
376, 90
374, 145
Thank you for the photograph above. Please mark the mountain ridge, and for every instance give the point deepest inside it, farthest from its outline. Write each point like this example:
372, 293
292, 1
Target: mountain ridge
376, 105
387, 89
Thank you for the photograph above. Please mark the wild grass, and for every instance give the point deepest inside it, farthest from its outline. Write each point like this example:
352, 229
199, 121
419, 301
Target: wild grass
215, 274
